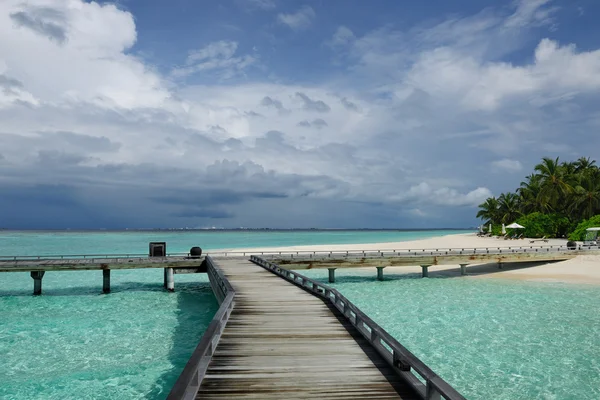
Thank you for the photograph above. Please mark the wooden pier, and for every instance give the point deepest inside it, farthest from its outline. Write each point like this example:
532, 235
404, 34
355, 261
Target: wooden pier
38, 266
281, 335
425, 258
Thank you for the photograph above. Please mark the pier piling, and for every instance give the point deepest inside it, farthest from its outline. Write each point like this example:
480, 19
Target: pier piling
37, 281
380, 273
106, 281
170, 281
463, 269
331, 275
425, 271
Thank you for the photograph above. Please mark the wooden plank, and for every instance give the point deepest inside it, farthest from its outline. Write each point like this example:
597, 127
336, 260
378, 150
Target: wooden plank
282, 342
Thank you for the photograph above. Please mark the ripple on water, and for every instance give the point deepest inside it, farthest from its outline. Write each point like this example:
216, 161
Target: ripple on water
491, 339
74, 343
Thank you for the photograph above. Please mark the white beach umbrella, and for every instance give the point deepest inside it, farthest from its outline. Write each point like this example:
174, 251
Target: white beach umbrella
514, 225
503, 229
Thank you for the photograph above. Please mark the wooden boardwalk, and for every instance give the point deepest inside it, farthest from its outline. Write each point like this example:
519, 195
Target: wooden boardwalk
282, 342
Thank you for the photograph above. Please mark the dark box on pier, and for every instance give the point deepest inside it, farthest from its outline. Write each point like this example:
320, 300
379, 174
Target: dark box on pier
158, 249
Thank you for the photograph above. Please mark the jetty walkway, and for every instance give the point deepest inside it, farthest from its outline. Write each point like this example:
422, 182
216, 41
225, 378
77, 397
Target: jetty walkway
278, 334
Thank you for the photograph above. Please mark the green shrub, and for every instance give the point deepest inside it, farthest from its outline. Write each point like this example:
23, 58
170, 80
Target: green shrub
579, 232
538, 225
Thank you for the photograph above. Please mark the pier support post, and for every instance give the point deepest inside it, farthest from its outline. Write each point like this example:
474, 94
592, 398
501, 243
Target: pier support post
165, 278
463, 269
170, 279
37, 281
425, 271
106, 281
331, 275
499, 265
380, 273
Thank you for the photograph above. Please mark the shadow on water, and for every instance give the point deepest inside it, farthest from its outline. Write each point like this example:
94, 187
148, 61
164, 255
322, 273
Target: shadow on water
196, 306
87, 290
475, 270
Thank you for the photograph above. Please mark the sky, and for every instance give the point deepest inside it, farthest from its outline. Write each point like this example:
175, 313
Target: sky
286, 114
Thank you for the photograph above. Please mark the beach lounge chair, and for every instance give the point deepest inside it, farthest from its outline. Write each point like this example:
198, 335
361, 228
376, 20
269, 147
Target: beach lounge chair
542, 239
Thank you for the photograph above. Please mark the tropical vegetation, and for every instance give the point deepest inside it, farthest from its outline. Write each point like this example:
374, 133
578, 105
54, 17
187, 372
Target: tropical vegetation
558, 199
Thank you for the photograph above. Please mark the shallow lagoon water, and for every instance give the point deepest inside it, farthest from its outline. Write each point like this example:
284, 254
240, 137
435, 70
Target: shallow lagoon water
75, 343
489, 338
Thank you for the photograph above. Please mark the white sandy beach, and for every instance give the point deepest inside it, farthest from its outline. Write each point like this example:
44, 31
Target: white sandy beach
581, 270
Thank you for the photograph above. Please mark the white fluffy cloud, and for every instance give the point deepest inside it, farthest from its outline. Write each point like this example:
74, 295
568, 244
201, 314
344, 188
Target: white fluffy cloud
410, 127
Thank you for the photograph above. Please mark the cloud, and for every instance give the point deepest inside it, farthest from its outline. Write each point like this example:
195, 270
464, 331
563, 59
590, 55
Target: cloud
257, 4
299, 20
426, 193
409, 117
317, 123
268, 101
507, 165
217, 56
343, 36
46, 21
313, 105
348, 105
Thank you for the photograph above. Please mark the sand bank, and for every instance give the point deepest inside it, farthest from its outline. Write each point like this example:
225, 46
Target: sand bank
582, 269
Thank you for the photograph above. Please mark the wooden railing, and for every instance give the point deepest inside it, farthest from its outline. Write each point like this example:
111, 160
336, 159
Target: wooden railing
425, 382
310, 253
189, 381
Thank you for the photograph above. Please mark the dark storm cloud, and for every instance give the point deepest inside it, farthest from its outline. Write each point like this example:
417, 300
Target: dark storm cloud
43, 20
85, 142
203, 213
58, 158
313, 105
213, 197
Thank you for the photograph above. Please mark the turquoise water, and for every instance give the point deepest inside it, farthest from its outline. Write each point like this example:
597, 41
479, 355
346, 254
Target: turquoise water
40, 243
75, 343
489, 338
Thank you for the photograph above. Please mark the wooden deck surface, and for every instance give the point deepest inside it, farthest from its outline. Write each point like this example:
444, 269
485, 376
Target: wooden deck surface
284, 343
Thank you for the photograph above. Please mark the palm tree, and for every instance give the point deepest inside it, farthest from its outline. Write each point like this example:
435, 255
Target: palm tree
584, 164
554, 184
529, 199
508, 207
489, 211
586, 195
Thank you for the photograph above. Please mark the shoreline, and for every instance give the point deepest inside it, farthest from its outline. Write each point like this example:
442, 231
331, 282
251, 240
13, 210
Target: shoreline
580, 270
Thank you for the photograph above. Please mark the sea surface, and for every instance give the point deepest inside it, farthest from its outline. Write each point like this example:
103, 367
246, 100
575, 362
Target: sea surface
489, 338
16, 243
75, 343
